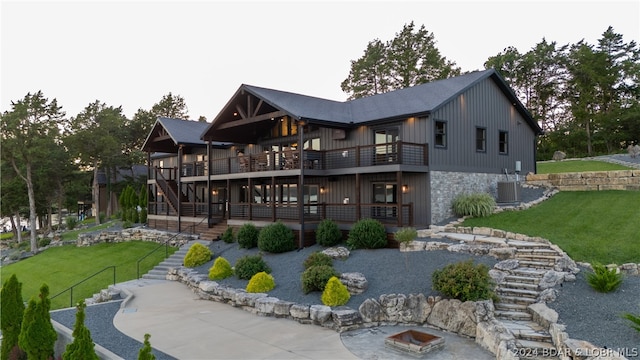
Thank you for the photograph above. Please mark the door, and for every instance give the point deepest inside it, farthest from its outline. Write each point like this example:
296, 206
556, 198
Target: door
384, 193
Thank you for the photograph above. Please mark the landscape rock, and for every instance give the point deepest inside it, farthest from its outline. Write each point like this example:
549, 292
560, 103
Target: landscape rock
345, 318
320, 313
372, 311
508, 264
299, 311
543, 315
454, 315
338, 252
355, 282
550, 279
548, 295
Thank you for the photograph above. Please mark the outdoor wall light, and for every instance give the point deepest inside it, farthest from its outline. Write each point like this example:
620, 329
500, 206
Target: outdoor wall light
405, 188
214, 192
322, 190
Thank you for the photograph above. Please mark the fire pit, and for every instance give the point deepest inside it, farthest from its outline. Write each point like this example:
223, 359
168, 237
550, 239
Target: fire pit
415, 342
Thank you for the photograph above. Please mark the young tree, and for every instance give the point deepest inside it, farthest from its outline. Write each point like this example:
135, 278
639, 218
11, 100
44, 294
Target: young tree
411, 58
11, 315
27, 130
37, 336
82, 346
145, 352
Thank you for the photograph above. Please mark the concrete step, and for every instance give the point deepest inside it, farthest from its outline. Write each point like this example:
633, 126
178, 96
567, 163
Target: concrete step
519, 285
154, 277
513, 315
157, 272
527, 244
517, 292
522, 279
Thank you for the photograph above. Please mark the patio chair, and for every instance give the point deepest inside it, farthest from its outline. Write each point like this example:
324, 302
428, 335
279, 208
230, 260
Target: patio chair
243, 162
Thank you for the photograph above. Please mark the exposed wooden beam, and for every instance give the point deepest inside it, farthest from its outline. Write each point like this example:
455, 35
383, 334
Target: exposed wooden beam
251, 120
241, 112
161, 138
255, 112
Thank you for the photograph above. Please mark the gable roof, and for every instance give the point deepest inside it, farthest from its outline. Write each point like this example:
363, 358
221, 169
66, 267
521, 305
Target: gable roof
413, 101
178, 132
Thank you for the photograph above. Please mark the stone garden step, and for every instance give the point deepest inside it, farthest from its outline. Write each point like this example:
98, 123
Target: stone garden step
539, 251
502, 306
522, 279
154, 277
528, 272
527, 244
535, 257
517, 300
512, 315
517, 292
542, 347
537, 264
519, 285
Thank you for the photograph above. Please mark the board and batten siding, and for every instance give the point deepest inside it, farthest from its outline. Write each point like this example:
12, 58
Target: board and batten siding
483, 105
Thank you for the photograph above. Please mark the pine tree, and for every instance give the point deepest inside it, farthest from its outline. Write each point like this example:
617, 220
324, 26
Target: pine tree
38, 337
145, 352
82, 346
11, 314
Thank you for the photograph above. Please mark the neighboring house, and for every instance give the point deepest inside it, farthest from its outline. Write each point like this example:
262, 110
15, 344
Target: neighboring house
136, 173
399, 157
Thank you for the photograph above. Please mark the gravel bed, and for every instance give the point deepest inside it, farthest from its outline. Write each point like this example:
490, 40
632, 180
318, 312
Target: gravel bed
99, 320
596, 317
388, 271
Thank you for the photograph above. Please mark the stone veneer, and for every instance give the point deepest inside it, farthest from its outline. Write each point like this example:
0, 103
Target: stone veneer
134, 234
446, 185
589, 181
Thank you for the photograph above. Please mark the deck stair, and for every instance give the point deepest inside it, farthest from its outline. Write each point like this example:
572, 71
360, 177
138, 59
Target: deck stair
216, 231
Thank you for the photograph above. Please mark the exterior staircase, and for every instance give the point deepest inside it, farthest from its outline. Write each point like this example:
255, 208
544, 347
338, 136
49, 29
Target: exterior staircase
216, 231
520, 289
160, 271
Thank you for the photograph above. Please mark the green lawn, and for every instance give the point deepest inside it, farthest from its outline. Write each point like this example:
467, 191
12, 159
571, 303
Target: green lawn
61, 267
602, 226
554, 167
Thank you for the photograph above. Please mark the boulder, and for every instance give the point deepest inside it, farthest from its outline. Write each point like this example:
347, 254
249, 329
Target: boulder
266, 305
558, 156
355, 282
319, 313
509, 264
371, 311
338, 252
345, 317
299, 312
550, 279
455, 316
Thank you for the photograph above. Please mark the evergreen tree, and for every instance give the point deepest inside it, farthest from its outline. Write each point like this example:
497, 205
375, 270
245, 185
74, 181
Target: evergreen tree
82, 346
38, 337
11, 314
145, 352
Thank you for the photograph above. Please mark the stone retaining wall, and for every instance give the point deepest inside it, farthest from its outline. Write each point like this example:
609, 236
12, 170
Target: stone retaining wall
134, 234
589, 181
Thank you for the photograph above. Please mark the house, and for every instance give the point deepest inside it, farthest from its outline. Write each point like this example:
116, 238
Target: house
133, 174
399, 157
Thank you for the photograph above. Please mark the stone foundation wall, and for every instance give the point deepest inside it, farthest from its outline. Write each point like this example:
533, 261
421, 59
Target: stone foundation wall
445, 186
589, 181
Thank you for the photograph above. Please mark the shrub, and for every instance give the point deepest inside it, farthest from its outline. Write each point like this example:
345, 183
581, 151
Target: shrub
315, 278
82, 346
38, 337
328, 234
249, 265
227, 236
44, 242
248, 236
475, 205
197, 255
635, 321
261, 283
405, 235
143, 215
11, 314
276, 238
71, 222
464, 281
318, 258
335, 293
221, 269
367, 234
127, 224
604, 280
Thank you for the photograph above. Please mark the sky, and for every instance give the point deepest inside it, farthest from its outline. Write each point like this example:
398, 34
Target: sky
132, 53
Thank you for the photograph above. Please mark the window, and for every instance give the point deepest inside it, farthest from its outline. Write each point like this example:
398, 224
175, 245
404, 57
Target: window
386, 151
481, 139
503, 141
384, 194
440, 133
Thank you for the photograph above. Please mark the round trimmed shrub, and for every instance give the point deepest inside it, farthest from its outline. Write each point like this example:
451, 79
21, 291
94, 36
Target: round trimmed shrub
315, 278
197, 255
335, 293
227, 236
464, 281
475, 205
367, 234
318, 258
276, 238
249, 265
328, 233
261, 283
221, 269
247, 236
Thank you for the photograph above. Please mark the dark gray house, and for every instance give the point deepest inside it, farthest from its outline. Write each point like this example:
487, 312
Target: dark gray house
399, 157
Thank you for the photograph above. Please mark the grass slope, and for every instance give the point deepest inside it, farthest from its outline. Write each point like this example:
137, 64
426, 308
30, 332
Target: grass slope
601, 226
554, 167
64, 266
